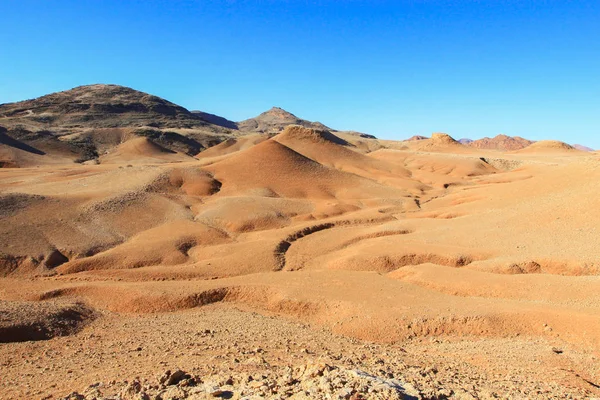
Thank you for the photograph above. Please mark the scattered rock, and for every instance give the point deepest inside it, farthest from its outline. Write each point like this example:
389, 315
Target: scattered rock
168, 378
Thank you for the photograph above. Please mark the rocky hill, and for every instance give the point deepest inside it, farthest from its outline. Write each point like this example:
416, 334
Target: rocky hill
274, 121
88, 122
416, 137
500, 142
85, 122
98, 106
508, 143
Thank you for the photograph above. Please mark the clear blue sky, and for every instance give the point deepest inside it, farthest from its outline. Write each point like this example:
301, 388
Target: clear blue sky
391, 68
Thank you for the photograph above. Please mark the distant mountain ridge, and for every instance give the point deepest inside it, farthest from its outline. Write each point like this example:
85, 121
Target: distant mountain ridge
500, 142
508, 143
114, 106
86, 122
582, 147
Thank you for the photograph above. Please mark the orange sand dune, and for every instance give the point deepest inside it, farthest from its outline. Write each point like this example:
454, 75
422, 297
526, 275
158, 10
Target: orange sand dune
331, 151
272, 169
548, 146
232, 145
142, 150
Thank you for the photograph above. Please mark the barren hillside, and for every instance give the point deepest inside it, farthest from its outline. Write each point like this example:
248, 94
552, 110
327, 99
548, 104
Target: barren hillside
303, 262
501, 142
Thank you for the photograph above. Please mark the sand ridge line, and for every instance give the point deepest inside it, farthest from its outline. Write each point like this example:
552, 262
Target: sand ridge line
284, 245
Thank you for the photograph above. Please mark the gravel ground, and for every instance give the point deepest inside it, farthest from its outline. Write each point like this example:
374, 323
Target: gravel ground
222, 351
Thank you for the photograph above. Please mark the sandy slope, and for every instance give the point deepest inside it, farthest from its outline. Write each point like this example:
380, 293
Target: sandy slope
141, 151
399, 243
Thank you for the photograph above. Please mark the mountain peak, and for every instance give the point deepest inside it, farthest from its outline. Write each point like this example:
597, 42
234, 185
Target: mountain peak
98, 106
99, 91
275, 120
279, 112
441, 137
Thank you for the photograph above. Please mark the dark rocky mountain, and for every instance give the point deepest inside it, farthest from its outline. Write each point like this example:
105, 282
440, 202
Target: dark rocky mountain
82, 123
98, 106
87, 122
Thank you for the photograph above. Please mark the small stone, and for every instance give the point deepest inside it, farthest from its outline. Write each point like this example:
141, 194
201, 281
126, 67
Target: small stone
132, 388
75, 396
173, 393
214, 390
255, 384
169, 378
163, 378
344, 393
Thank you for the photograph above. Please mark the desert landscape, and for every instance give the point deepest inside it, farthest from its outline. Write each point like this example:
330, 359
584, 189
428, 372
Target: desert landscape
152, 252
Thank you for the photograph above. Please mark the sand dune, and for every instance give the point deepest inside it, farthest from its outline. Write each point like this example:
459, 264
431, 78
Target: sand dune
167, 244
141, 151
334, 152
549, 146
232, 145
272, 169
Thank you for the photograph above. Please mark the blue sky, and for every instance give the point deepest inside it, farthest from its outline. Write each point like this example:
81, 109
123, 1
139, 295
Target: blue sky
391, 68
